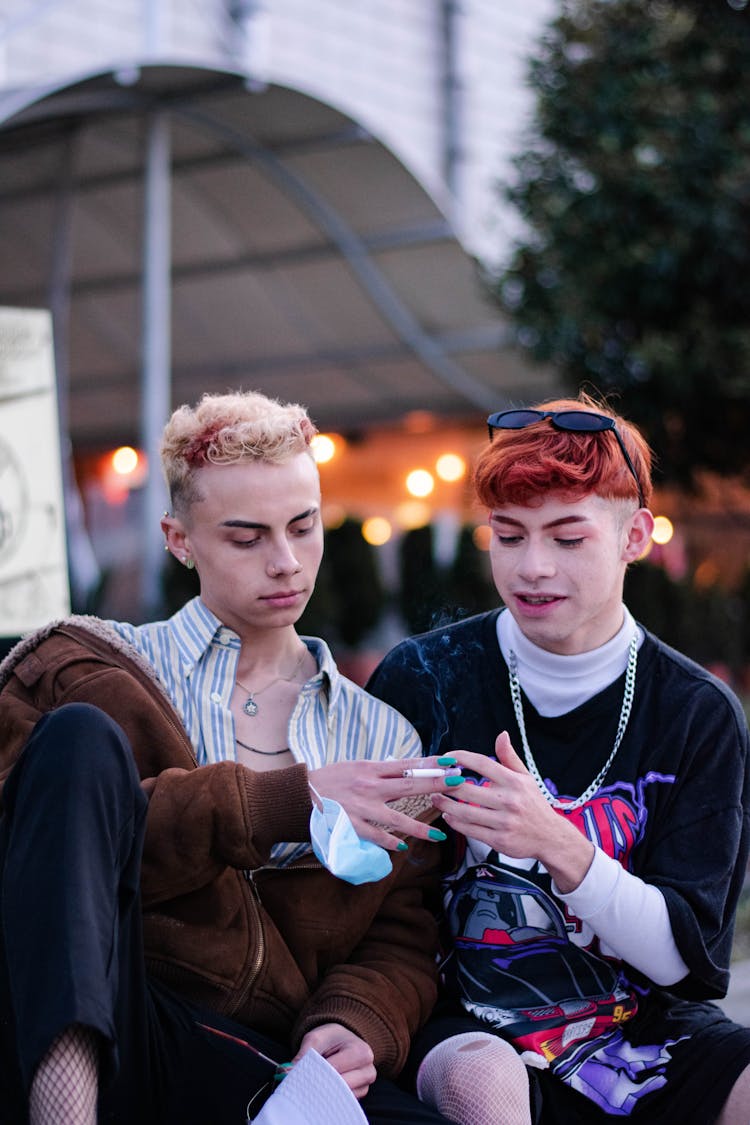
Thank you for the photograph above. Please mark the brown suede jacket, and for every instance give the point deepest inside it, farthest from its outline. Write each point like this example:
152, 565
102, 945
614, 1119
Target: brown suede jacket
283, 950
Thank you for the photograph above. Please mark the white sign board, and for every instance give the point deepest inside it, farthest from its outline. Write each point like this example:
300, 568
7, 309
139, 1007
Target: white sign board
33, 560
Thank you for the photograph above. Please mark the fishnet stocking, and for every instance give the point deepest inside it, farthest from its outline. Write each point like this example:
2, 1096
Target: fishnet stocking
65, 1085
476, 1079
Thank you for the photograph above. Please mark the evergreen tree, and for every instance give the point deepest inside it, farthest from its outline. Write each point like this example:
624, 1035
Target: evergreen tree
422, 589
635, 190
349, 598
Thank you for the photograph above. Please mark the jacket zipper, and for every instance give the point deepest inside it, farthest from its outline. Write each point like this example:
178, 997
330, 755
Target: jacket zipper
249, 876
257, 961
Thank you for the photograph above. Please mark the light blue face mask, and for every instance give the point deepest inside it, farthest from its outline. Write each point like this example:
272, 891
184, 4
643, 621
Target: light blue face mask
339, 848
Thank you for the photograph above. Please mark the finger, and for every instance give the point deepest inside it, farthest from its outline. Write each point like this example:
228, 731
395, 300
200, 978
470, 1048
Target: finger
393, 767
400, 823
375, 834
391, 835
359, 1082
423, 774
421, 779
439, 761
468, 812
482, 764
487, 825
346, 1051
506, 755
358, 1079
356, 1075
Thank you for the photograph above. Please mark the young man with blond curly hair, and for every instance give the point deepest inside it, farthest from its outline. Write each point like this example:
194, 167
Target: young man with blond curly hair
167, 937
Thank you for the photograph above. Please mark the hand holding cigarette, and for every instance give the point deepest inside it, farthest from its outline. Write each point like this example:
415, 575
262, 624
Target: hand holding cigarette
453, 771
447, 768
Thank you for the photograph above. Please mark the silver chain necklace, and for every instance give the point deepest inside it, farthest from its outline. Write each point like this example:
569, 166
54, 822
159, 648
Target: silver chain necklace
250, 706
531, 766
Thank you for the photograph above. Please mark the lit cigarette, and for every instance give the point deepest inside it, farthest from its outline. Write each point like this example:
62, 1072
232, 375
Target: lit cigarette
426, 773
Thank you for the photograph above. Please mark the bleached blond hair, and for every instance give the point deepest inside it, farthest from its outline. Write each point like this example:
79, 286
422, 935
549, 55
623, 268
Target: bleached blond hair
228, 429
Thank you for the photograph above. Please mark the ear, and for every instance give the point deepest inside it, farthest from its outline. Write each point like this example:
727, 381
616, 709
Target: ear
176, 536
638, 530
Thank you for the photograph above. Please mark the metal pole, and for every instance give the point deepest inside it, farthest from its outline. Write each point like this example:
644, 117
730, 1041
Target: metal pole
450, 12
59, 287
83, 570
154, 22
156, 347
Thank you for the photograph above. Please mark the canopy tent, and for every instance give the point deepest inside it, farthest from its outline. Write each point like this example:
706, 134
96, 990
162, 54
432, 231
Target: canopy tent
304, 260
190, 233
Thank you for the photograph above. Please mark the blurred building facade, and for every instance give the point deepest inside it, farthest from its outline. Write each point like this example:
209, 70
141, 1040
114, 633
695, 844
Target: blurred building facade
440, 82
294, 195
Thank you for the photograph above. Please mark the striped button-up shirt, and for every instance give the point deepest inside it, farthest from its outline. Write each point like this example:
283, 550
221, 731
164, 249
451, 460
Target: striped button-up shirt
196, 658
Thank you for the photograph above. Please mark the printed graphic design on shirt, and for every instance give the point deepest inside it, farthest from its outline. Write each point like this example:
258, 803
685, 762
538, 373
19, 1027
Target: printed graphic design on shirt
534, 973
518, 971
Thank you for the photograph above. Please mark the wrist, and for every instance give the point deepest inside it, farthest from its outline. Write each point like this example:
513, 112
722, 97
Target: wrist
569, 858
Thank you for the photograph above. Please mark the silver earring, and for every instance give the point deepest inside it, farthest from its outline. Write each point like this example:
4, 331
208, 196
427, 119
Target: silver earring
189, 563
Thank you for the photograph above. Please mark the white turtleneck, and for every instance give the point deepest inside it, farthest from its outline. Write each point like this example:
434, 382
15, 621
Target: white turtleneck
557, 684
628, 915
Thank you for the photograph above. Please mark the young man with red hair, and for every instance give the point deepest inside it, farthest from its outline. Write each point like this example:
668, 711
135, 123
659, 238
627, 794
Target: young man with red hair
598, 861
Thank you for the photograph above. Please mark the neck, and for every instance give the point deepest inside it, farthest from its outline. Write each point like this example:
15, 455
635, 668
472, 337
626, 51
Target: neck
622, 628
273, 652
557, 684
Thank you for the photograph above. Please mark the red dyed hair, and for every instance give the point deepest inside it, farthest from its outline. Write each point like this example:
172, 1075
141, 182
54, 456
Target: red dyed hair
523, 466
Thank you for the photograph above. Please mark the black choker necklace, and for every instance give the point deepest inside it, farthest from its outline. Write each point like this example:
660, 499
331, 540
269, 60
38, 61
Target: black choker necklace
265, 753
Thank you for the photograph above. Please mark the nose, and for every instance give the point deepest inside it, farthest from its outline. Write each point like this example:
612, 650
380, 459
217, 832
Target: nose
282, 560
536, 562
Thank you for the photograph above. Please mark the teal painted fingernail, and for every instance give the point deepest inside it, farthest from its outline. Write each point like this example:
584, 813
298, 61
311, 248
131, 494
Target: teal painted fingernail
454, 779
436, 834
402, 847
447, 761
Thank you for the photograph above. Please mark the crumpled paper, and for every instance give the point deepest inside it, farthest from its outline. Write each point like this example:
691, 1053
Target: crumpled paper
313, 1093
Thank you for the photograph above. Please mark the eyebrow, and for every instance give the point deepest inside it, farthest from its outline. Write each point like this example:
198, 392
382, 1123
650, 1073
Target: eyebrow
250, 525
498, 517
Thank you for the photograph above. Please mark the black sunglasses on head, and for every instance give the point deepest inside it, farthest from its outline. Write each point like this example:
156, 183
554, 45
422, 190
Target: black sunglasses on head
576, 421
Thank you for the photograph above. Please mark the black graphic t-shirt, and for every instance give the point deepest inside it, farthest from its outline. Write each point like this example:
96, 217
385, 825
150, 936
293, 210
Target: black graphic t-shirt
672, 810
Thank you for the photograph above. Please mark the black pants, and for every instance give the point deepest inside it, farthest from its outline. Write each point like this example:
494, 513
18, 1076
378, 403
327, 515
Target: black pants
71, 948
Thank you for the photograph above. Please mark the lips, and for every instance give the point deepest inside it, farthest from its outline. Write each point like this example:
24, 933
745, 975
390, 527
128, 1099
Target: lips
282, 597
537, 606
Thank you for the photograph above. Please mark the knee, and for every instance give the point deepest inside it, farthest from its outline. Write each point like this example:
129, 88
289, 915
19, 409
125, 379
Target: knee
76, 722
79, 742
476, 1079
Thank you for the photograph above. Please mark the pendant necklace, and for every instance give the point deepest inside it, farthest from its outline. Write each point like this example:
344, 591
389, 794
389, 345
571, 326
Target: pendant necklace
627, 703
250, 707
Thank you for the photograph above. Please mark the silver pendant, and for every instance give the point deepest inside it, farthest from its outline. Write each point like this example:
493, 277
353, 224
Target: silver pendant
250, 707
